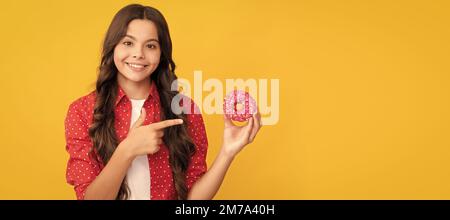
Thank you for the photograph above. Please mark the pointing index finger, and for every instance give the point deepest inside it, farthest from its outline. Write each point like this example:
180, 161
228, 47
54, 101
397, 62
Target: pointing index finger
166, 123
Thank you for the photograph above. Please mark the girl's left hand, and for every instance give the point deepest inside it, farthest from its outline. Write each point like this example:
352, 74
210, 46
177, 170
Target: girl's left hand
236, 137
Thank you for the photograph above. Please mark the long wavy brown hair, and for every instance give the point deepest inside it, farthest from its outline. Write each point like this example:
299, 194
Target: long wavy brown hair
102, 131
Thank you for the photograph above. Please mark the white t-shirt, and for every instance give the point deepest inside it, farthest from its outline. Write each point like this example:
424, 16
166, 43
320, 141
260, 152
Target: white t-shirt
138, 174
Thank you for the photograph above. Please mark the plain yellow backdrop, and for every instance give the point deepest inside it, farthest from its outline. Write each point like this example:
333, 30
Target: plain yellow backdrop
364, 92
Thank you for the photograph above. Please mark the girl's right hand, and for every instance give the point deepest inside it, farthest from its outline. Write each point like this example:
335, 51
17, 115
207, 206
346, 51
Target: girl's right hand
145, 139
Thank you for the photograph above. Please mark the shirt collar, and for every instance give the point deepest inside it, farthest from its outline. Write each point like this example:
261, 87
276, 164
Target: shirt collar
121, 94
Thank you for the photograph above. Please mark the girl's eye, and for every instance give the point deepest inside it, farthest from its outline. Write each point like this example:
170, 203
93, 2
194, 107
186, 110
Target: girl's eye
151, 46
127, 43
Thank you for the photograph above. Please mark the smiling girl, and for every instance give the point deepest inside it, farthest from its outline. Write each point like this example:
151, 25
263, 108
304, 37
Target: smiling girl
123, 139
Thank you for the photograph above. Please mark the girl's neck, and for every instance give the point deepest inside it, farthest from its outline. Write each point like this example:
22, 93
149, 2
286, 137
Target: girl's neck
135, 90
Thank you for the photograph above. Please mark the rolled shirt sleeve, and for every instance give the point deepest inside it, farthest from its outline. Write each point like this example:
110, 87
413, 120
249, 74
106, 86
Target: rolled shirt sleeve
197, 166
82, 168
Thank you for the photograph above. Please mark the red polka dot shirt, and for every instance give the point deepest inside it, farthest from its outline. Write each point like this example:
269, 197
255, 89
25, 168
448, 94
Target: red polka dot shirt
82, 169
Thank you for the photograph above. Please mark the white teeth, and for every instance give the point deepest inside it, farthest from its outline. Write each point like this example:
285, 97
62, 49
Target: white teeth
135, 65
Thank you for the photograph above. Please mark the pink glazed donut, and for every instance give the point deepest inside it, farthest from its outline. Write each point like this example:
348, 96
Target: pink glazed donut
247, 103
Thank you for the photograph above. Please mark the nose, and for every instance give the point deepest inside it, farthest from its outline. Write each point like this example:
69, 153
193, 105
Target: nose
138, 54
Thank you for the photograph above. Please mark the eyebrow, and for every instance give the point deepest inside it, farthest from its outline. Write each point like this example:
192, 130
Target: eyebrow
151, 39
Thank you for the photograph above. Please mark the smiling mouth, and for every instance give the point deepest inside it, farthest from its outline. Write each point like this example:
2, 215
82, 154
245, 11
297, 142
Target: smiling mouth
136, 67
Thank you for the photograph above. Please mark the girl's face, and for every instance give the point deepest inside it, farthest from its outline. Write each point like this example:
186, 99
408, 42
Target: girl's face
137, 55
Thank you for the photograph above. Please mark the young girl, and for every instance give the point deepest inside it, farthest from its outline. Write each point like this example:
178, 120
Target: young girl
123, 139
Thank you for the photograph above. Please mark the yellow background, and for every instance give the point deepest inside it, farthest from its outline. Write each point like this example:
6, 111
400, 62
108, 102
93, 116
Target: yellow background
364, 92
